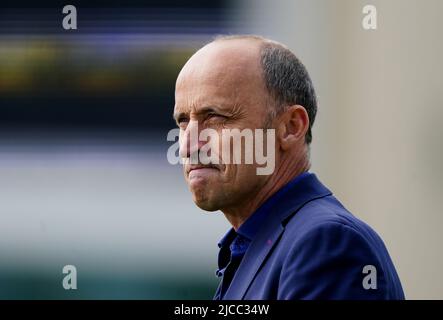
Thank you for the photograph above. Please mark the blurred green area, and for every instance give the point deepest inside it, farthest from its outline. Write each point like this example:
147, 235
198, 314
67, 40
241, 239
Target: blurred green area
29, 284
48, 66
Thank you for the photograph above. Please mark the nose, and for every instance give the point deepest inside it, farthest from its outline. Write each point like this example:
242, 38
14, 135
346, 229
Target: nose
190, 143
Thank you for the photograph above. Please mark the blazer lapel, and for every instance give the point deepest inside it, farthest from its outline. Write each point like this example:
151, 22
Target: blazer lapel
251, 262
217, 292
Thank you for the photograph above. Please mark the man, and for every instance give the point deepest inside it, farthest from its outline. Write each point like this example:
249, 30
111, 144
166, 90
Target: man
290, 237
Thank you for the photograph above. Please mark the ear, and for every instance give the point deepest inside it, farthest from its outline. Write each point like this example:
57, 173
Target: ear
294, 124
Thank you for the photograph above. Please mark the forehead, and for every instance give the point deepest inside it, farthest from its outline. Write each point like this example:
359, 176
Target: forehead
222, 73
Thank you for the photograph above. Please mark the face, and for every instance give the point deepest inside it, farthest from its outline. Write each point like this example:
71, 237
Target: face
220, 87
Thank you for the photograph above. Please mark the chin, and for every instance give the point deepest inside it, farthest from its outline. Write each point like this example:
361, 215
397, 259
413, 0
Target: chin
205, 204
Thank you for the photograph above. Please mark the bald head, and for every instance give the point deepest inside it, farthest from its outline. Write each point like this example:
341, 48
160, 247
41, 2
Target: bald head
223, 57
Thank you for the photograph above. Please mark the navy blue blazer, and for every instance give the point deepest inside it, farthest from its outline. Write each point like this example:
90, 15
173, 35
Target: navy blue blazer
311, 247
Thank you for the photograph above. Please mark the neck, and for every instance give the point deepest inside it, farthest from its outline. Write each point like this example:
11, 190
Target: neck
287, 171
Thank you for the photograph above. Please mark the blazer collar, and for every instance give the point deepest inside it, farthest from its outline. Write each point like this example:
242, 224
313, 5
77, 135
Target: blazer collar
300, 191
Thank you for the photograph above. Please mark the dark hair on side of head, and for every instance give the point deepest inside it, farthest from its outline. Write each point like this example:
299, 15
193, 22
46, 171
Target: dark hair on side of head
288, 81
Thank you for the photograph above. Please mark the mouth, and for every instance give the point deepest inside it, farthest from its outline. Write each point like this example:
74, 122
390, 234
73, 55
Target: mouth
197, 167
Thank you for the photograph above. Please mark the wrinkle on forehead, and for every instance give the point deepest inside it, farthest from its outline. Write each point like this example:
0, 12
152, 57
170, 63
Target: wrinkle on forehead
226, 70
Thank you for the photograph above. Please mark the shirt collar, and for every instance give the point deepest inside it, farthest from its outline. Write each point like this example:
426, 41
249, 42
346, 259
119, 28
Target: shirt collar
227, 238
251, 226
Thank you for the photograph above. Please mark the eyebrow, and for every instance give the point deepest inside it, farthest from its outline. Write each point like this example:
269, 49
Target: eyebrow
204, 110
209, 109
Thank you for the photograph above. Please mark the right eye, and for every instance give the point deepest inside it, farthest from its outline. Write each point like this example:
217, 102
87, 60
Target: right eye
182, 121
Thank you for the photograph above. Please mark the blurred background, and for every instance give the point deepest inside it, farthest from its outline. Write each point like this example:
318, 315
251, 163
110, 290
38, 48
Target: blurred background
84, 115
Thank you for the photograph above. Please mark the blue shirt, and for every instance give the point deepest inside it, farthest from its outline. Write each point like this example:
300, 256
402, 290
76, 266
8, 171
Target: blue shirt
234, 244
